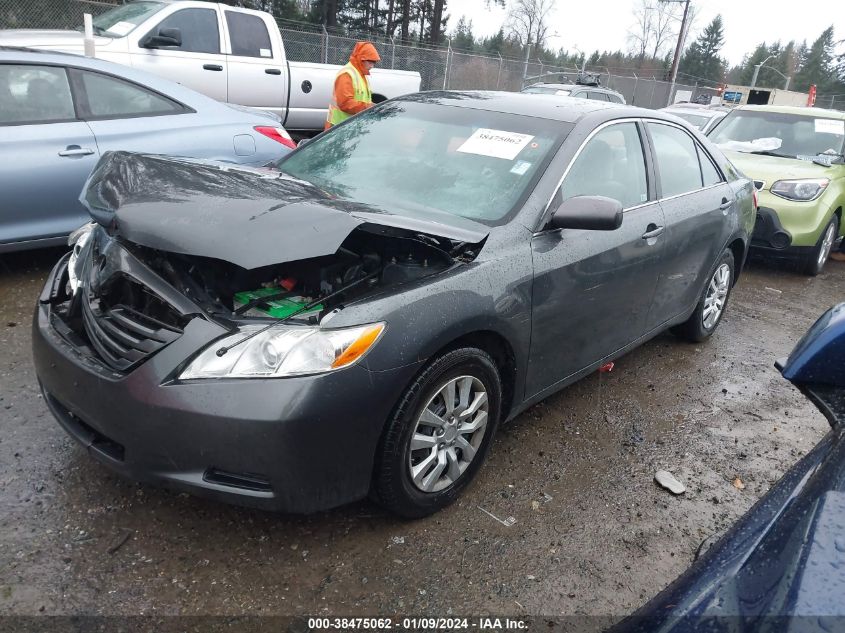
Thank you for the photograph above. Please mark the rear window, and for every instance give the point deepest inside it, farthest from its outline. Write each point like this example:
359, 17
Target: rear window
540, 90
249, 35
427, 159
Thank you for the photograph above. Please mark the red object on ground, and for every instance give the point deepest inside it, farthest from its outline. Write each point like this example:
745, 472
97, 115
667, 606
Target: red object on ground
606, 367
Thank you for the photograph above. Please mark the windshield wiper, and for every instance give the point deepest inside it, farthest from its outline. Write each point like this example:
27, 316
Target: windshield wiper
765, 152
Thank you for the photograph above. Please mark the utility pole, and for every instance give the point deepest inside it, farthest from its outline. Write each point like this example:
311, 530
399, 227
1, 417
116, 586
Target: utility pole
678, 48
757, 68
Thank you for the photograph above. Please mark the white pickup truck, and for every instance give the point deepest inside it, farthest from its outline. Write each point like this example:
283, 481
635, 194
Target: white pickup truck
228, 53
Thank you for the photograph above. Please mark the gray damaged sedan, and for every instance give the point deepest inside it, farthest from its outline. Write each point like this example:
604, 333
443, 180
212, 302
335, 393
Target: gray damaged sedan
362, 319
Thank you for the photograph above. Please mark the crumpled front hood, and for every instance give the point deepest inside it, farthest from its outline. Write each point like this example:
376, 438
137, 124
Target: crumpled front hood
248, 217
771, 168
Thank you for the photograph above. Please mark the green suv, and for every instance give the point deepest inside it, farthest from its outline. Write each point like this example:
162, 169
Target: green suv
795, 157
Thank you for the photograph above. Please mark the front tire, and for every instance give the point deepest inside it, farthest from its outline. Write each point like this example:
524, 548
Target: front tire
818, 256
439, 433
711, 306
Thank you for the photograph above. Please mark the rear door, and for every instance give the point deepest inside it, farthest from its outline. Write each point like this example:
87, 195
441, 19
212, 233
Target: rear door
46, 154
696, 201
257, 77
126, 116
199, 62
593, 289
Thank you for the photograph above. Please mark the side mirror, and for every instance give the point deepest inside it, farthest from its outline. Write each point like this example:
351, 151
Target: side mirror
164, 37
592, 213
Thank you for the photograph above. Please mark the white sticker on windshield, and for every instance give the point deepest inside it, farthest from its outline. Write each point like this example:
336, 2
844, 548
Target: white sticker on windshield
120, 28
265, 52
495, 143
520, 167
830, 126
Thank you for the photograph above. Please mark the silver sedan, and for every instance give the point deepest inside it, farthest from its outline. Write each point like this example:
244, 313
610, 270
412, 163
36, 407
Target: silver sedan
59, 113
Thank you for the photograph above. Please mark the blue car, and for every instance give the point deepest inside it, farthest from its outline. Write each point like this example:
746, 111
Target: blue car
59, 113
781, 567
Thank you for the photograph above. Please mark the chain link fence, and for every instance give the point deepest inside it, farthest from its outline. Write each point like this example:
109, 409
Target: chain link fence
439, 67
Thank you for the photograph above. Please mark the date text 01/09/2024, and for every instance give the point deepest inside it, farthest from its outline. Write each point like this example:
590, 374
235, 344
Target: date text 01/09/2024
417, 624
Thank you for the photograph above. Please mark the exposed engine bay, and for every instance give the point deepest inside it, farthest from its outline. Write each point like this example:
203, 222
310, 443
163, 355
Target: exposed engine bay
366, 263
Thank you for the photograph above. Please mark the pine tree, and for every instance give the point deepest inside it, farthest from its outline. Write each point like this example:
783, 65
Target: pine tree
463, 38
702, 61
818, 67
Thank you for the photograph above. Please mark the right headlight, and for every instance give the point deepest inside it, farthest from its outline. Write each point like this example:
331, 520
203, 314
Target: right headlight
283, 350
77, 241
803, 190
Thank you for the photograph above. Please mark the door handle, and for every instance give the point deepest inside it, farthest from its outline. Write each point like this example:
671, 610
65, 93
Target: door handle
726, 204
75, 150
272, 71
653, 231
216, 67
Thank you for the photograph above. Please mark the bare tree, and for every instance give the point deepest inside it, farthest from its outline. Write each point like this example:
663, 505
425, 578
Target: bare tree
653, 28
528, 22
640, 33
664, 22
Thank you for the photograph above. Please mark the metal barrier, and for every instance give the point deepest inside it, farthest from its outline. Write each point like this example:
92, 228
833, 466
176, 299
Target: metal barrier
440, 67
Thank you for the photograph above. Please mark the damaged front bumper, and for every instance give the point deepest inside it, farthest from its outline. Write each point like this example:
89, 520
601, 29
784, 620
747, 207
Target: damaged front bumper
297, 444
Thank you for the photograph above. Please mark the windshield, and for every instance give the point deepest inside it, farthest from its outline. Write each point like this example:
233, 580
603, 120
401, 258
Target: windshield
122, 20
424, 159
697, 120
798, 135
541, 90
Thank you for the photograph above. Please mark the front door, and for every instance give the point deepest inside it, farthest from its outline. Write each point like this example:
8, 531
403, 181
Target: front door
198, 63
45, 153
593, 289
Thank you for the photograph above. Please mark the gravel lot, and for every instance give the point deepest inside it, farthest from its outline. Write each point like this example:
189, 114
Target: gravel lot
593, 534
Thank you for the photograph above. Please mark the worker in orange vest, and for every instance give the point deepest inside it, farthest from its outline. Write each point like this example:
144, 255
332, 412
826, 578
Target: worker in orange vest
351, 87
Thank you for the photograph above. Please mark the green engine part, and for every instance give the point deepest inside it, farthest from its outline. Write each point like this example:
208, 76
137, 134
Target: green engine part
276, 308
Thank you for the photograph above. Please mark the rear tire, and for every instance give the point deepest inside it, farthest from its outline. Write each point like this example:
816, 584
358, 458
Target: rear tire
711, 306
818, 256
429, 452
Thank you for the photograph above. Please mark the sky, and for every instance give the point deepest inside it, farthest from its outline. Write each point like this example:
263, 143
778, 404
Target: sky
604, 24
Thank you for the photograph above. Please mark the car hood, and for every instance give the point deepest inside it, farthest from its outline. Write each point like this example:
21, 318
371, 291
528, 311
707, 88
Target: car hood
770, 169
71, 41
249, 217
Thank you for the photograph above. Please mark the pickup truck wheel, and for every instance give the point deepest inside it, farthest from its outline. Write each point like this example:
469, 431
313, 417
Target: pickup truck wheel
711, 306
439, 434
818, 256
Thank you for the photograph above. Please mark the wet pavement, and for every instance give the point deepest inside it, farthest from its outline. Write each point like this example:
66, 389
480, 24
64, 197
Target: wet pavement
593, 534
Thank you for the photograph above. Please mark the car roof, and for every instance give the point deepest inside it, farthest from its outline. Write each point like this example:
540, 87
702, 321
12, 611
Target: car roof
693, 111
570, 87
796, 110
551, 107
14, 54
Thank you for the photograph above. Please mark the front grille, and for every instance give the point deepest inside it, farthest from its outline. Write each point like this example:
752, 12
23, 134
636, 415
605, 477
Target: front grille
120, 325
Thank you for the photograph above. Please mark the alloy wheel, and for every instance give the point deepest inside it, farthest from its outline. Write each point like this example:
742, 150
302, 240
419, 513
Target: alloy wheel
827, 244
448, 433
717, 293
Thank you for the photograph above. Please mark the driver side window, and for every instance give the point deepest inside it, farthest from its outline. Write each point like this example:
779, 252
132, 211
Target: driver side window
199, 29
611, 164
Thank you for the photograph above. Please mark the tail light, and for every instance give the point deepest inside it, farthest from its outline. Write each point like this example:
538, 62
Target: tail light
754, 193
278, 134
